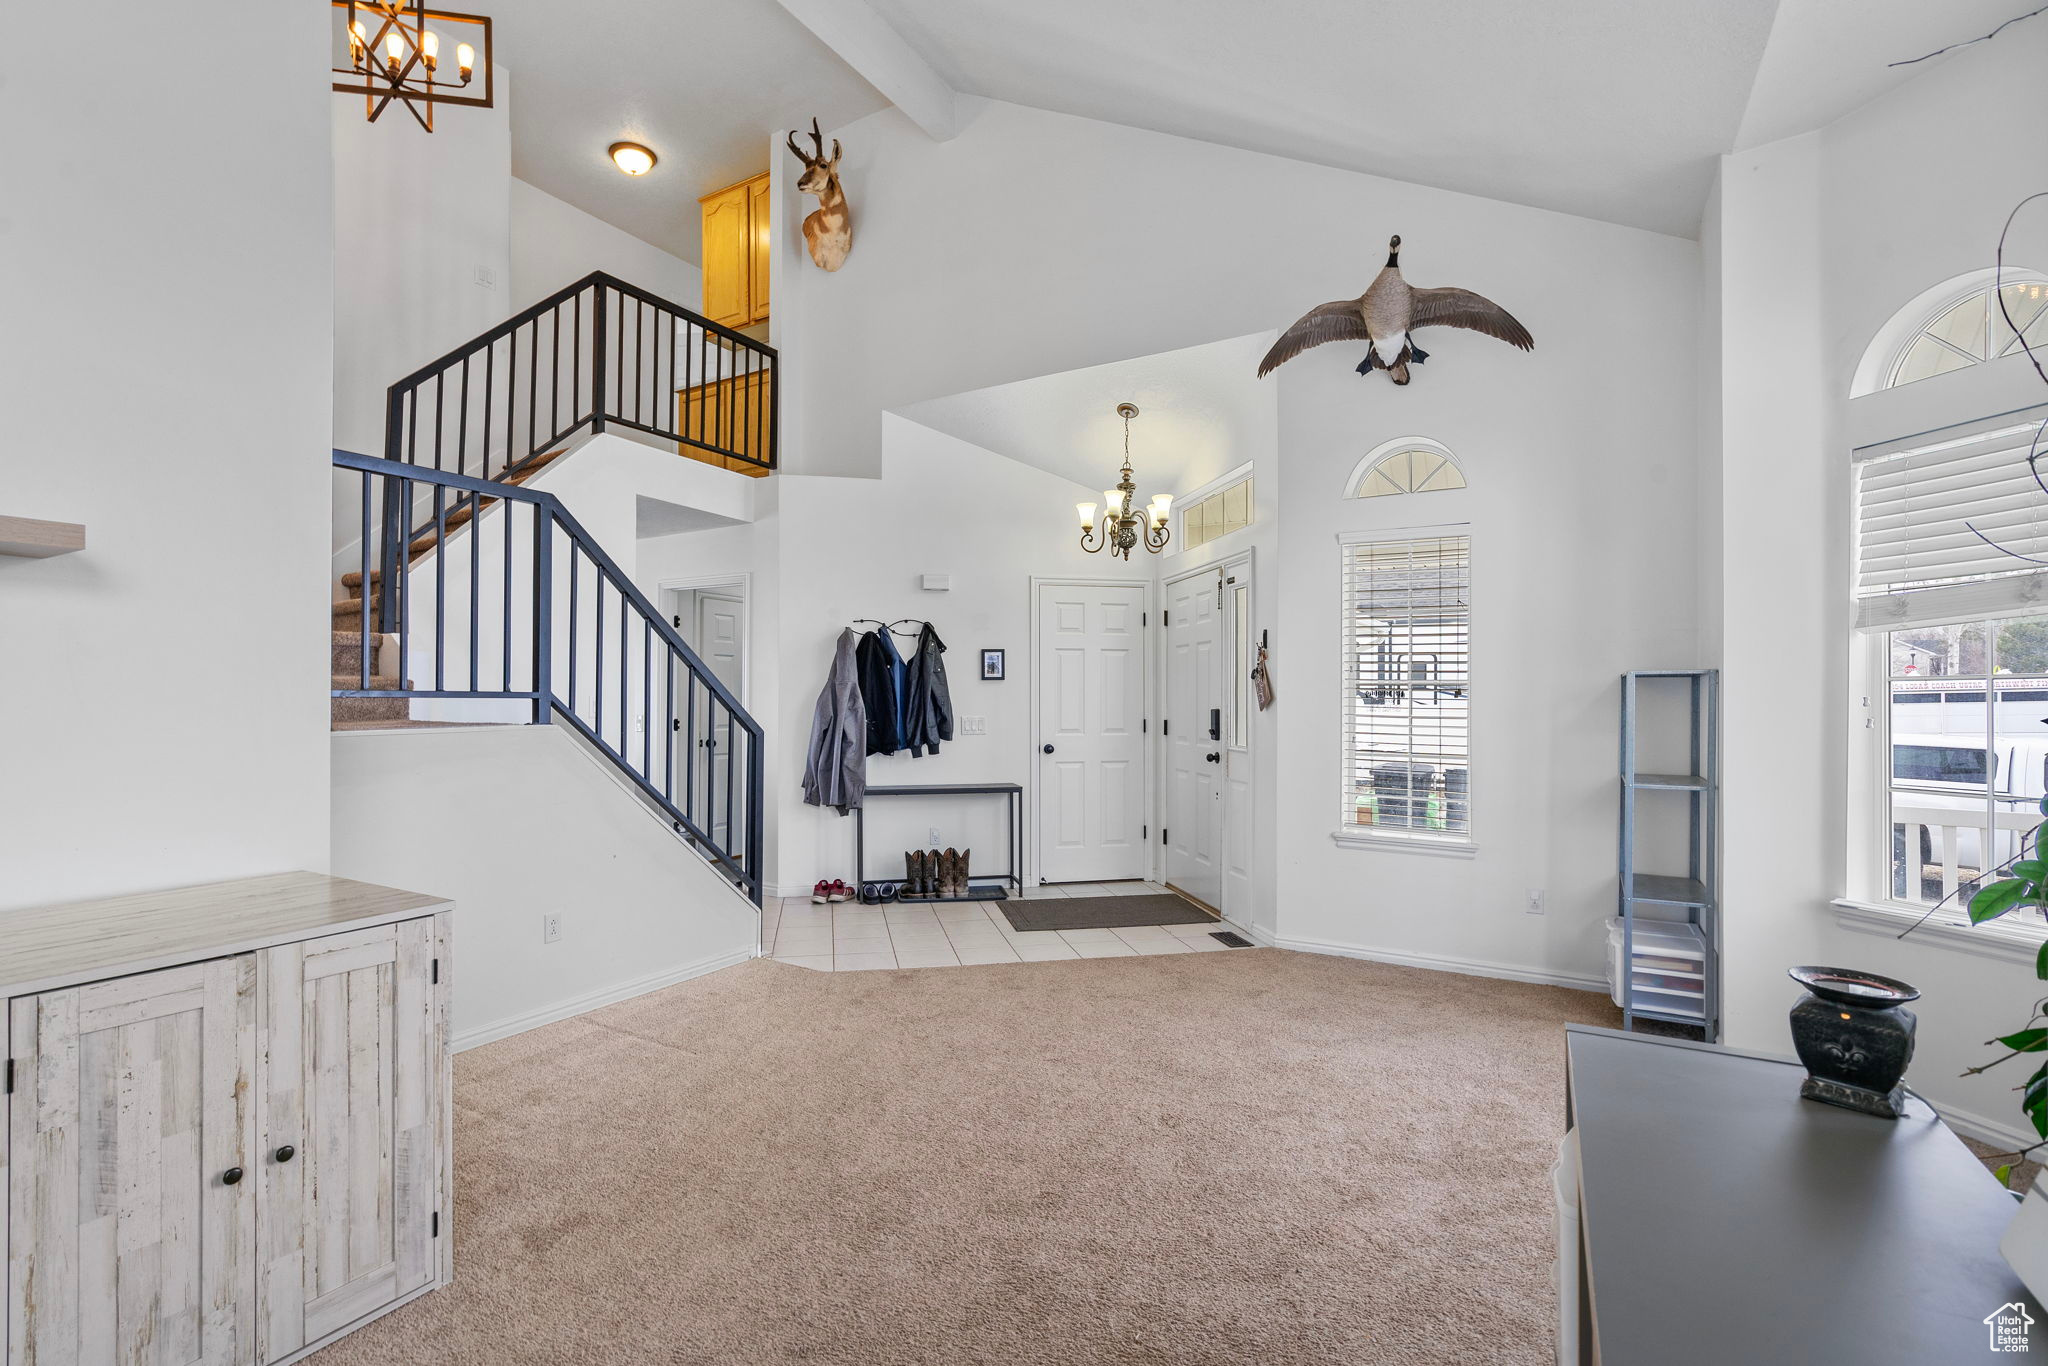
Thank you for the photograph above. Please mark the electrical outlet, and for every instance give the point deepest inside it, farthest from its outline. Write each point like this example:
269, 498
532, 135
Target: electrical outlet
935, 836
486, 277
1535, 906
550, 927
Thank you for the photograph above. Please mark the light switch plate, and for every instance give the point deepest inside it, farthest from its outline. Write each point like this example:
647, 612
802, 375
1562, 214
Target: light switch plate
974, 725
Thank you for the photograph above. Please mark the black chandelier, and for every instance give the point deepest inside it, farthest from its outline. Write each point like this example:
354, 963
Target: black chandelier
1121, 528
394, 54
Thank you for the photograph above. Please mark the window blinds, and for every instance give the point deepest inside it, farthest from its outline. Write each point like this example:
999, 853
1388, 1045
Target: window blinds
1407, 686
1918, 563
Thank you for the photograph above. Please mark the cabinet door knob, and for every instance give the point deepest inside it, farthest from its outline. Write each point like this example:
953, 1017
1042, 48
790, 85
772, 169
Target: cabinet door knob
287, 1153
1048, 749
232, 1176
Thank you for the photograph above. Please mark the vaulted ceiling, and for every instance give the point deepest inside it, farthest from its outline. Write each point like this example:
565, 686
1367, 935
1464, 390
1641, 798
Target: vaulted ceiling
1613, 109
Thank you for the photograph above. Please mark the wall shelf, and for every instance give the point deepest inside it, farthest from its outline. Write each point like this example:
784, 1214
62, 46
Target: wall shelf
34, 539
1658, 947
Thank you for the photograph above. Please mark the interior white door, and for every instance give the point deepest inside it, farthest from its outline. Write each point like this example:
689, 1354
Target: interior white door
133, 1229
721, 633
1091, 732
1194, 739
350, 1167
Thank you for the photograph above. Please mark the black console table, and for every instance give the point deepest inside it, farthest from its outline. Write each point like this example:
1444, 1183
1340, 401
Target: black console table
1014, 874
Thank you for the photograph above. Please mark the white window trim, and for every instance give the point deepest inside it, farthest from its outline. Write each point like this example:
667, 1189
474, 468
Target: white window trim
1888, 347
1425, 842
1946, 929
1396, 447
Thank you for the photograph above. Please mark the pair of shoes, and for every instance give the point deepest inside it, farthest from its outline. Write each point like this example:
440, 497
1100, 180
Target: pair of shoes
952, 872
878, 893
835, 890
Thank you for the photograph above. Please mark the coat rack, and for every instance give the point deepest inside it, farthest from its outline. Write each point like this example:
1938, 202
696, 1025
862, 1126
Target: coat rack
891, 625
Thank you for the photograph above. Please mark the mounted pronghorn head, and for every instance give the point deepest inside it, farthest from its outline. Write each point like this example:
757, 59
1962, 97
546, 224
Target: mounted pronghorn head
821, 176
827, 232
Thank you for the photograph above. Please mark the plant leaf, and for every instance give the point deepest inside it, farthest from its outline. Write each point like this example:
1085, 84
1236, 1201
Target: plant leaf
2026, 1041
1994, 901
2041, 961
2034, 1100
2032, 869
2004, 1175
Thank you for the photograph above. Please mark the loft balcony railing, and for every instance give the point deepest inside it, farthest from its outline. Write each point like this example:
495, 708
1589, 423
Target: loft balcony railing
598, 355
514, 613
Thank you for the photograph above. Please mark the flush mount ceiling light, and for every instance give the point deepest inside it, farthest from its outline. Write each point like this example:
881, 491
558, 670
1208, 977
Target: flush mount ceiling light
632, 158
396, 52
1121, 528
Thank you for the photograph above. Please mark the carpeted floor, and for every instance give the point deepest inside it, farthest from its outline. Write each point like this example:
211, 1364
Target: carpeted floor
1253, 1156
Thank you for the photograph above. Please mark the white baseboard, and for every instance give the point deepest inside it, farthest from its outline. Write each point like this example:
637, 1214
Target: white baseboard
2003, 1136
1471, 967
583, 1005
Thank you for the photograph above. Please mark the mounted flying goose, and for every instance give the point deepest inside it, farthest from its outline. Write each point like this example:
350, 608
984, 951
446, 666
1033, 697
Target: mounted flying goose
1385, 314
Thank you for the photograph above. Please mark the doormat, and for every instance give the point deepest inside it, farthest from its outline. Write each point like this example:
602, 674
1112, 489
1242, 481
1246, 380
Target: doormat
1104, 912
1231, 939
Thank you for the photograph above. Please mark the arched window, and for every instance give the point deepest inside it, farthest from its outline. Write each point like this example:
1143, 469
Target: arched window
1955, 325
1409, 464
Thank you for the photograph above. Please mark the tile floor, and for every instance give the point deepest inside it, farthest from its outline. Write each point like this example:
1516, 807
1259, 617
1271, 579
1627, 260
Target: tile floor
850, 937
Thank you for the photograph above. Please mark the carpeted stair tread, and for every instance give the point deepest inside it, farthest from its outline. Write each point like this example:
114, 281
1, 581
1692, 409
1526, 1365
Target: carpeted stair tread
378, 682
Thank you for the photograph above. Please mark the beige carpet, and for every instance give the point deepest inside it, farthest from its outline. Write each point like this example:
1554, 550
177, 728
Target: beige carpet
1257, 1156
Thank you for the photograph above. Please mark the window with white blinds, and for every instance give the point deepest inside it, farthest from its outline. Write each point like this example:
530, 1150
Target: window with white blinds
1407, 688
1939, 528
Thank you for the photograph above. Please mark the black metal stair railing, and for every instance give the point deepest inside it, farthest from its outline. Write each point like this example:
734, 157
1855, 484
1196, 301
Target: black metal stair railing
595, 355
517, 614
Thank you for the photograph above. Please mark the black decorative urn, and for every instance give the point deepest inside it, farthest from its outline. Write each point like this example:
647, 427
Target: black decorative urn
1855, 1035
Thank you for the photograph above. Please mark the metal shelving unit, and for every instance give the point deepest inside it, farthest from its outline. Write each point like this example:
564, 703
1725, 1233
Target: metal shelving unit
1672, 971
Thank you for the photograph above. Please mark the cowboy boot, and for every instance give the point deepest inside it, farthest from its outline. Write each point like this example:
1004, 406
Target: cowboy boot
965, 854
913, 869
950, 870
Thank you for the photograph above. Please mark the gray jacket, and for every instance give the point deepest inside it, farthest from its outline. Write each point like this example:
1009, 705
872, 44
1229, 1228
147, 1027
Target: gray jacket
836, 767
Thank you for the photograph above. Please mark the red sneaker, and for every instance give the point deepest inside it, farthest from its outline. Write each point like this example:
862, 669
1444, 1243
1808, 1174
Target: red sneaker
821, 893
840, 891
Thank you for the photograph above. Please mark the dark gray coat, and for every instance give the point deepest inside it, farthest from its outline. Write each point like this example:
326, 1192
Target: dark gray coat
836, 765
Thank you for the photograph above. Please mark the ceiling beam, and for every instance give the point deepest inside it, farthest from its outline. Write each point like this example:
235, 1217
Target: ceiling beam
865, 41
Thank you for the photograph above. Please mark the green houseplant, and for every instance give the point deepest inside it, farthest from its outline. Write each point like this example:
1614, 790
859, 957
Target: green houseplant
2022, 881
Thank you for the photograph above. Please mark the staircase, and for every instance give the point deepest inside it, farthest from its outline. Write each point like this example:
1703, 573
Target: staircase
478, 599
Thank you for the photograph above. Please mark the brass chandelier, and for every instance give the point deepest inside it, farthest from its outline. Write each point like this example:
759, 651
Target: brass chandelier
1121, 528
393, 54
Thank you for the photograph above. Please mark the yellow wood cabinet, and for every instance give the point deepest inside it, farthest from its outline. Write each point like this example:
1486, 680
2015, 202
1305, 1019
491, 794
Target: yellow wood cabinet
732, 414
736, 253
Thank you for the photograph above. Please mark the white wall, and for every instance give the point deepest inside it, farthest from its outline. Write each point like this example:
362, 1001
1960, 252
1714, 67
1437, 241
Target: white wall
839, 548
164, 255
1111, 242
1819, 240
420, 220
554, 243
1579, 469
639, 909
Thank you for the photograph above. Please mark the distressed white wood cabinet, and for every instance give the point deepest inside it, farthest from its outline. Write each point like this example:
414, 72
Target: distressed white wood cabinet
227, 1128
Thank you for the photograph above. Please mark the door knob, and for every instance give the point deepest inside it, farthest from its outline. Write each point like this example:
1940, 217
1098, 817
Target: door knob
1048, 749
231, 1176
287, 1153
1215, 758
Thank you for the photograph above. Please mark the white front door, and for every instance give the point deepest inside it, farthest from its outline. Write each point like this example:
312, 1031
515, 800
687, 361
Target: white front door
1091, 732
1194, 727
719, 639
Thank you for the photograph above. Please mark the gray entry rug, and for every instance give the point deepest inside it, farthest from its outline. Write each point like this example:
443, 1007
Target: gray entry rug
1104, 912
